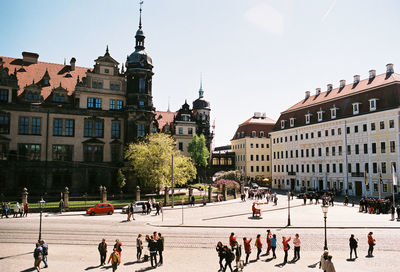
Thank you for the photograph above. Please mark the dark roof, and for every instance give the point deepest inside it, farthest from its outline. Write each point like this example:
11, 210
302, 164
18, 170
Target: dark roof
201, 103
257, 124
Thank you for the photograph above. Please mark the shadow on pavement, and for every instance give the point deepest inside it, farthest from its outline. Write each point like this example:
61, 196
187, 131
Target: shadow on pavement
313, 265
29, 269
280, 265
131, 263
269, 259
6, 257
92, 267
350, 260
146, 269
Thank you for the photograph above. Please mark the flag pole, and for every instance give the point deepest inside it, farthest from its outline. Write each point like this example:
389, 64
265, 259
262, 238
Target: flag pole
394, 182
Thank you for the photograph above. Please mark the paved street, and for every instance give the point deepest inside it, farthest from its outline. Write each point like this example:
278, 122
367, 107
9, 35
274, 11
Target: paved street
73, 237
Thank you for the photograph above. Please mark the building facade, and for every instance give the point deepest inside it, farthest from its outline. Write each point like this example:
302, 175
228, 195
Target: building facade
344, 139
252, 146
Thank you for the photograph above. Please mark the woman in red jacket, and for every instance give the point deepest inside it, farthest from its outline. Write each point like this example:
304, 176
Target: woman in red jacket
247, 248
258, 245
286, 247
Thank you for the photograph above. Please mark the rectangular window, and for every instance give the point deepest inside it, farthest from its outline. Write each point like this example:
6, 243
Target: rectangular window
366, 168
62, 152
381, 125
98, 103
319, 152
312, 152
117, 87
340, 150
372, 126
36, 125
340, 168
339, 131
190, 131
141, 130
99, 128
355, 129
94, 84
115, 130
348, 130
57, 127
90, 103
93, 153
252, 168
4, 124
332, 132
348, 150
365, 148
112, 104
119, 104
142, 85
357, 149
349, 167
334, 168
3, 95
29, 152
320, 168
180, 146
326, 133
88, 128
392, 146
319, 134
365, 127
257, 168
111, 86
252, 157
180, 130
327, 151
383, 147
333, 151
383, 167
373, 148
327, 168
23, 125
391, 123
69, 127
375, 167
256, 157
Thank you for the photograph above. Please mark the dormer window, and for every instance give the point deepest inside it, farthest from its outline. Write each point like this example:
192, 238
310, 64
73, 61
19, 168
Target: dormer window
291, 121
261, 134
372, 104
320, 114
282, 124
333, 112
242, 134
59, 98
308, 118
253, 134
185, 117
29, 96
356, 108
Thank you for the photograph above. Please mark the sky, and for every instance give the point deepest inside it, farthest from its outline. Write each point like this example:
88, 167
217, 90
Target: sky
254, 55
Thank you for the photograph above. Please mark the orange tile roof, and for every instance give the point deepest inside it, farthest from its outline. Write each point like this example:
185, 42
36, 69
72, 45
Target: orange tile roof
164, 118
365, 84
35, 72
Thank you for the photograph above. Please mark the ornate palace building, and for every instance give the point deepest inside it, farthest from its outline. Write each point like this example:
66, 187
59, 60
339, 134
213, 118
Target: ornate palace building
340, 138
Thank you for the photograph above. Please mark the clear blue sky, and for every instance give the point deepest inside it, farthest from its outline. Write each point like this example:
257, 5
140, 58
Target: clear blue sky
255, 55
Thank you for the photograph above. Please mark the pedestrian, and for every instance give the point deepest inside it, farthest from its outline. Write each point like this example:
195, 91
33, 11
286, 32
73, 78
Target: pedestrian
229, 257
286, 247
26, 209
322, 262
157, 208
398, 212
269, 236
139, 247
353, 246
143, 208
232, 240
247, 248
61, 205
21, 210
392, 211
118, 247
153, 251
102, 248
115, 259
129, 212
132, 210
296, 243
238, 255
204, 200
160, 248
273, 245
148, 206
37, 255
304, 199
3, 210
220, 249
16, 210
45, 250
329, 267
259, 245
371, 244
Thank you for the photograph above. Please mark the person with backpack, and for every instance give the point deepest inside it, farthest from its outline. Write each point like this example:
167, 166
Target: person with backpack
286, 247
115, 259
247, 248
38, 255
160, 248
229, 257
102, 248
45, 249
259, 245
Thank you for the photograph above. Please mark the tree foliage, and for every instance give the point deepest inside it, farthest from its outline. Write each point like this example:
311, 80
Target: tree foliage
198, 150
121, 180
151, 161
230, 175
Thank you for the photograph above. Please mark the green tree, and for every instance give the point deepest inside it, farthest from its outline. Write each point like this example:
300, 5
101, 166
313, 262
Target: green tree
151, 161
121, 180
198, 150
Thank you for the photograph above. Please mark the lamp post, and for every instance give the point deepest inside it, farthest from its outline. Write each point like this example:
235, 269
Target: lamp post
42, 203
288, 201
325, 211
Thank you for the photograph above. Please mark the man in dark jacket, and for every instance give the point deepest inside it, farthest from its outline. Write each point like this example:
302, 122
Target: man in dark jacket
153, 251
353, 246
160, 248
103, 251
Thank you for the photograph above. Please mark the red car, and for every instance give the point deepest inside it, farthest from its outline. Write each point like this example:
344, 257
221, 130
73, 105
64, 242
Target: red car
101, 208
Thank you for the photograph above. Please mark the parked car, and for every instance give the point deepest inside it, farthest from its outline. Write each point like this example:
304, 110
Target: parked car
105, 208
136, 208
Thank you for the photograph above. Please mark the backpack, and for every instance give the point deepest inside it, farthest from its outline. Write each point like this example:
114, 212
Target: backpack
231, 256
45, 250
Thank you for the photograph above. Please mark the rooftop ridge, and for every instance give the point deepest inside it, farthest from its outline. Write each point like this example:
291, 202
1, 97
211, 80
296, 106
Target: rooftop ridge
45, 62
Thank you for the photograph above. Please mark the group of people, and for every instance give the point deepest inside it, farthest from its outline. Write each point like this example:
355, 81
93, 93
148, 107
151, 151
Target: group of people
21, 210
375, 206
151, 203
115, 256
40, 254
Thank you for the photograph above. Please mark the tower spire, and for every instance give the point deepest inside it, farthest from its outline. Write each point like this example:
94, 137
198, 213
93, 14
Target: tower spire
140, 16
168, 105
201, 92
107, 53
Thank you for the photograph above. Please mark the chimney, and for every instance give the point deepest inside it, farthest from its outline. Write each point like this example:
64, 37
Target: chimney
317, 91
72, 63
307, 94
342, 83
329, 87
356, 79
389, 68
257, 114
30, 57
372, 74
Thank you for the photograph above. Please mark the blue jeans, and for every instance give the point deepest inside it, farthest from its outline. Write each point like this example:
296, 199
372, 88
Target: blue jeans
45, 260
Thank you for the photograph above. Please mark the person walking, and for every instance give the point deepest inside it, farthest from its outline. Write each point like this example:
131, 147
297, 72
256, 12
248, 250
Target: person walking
229, 257
160, 248
153, 251
232, 240
129, 212
16, 210
26, 209
398, 212
286, 247
238, 255
392, 211
220, 249
45, 250
273, 246
247, 248
115, 259
61, 205
118, 247
329, 267
371, 244
269, 236
38, 256
259, 245
139, 247
296, 243
102, 248
157, 208
353, 246
322, 262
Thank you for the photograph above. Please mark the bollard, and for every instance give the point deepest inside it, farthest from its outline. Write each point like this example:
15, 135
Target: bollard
24, 196
66, 198
137, 193
104, 195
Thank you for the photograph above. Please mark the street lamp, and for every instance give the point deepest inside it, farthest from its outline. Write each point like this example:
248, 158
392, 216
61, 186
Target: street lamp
288, 201
325, 211
42, 203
